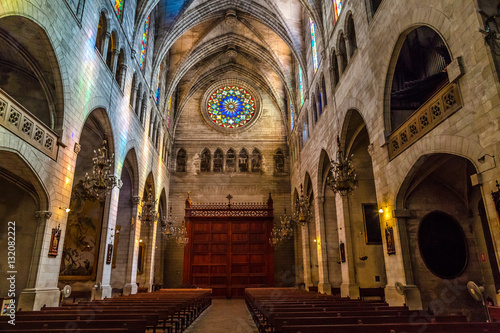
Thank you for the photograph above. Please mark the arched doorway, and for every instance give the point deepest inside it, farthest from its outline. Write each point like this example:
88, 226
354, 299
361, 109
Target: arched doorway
85, 240
447, 236
124, 231
331, 226
22, 212
365, 235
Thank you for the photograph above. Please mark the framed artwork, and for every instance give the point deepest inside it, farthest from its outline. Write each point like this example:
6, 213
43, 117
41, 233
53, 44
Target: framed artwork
389, 237
54, 242
115, 244
109, 254
7, 303
342, 252
140, 259
373, 234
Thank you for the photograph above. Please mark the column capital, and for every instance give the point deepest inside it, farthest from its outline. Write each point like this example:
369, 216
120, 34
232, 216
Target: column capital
43, 214
136, 200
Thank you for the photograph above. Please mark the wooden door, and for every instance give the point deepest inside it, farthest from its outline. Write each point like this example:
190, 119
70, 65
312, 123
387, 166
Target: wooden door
229, 255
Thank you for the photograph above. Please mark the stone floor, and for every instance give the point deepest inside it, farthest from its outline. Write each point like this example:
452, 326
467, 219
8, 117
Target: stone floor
224, 316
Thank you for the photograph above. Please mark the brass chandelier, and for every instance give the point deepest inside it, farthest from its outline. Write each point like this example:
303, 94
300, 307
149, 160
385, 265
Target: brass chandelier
283, 231
343, 179
303, 212
102, 181
168, 228
148, 215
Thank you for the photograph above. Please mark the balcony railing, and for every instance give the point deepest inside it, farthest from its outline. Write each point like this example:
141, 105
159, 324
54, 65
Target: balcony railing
442, 105
18, 120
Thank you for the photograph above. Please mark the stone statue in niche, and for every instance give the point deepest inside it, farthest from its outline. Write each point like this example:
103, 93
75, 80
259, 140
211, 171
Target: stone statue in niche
230, 161
279, 162
256, 161
218, 161
243, 161
181, 161
205, 161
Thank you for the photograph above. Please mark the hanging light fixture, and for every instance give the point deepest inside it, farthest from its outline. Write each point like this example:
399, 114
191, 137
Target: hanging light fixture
168, 225
181, 237
102, 181
282, 231
148, 212
343, 179
303, 213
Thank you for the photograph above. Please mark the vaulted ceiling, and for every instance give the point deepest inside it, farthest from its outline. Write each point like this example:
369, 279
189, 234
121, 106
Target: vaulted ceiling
260, 40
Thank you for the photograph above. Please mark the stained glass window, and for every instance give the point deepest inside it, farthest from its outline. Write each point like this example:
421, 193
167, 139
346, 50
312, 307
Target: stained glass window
119, 8
142, 60
337, 8
231, 107
313, 44
168, 111
301, 87
291, 115
158, 87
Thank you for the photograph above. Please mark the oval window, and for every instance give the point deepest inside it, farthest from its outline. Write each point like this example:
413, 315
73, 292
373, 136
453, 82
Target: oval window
442, 244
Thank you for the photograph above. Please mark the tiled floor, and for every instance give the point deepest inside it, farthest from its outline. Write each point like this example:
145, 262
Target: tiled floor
224, 316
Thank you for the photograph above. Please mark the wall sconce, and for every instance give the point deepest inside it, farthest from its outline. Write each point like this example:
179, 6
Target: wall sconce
67, 210
381, 211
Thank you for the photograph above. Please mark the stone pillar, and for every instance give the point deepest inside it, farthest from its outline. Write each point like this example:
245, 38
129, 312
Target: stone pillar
348, 286
37, 294
340, 62
324, 285
143, 111
306, 257
133, 250
122, 74
138, 105
133, 96
105, 42
348, 47
114, 61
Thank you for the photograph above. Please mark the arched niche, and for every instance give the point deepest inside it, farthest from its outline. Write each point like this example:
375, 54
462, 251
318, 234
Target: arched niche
442, 182
24, 195
30, 70
331, 226
416, 73
85, 238
368, 255
125, 221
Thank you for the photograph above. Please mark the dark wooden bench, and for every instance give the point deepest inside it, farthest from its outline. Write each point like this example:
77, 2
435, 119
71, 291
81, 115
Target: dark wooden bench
132, 326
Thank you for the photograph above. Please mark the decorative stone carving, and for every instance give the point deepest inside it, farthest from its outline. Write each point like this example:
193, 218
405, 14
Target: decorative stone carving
370, 149
43, 214
231, 52
78, 148
136, 200
231, 18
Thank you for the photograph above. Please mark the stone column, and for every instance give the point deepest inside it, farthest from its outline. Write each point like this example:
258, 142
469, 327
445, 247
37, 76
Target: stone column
348, 47
133, 250
150, 256
105, 42
133, 96
348, 286
122, 74
306, 257
138, 106
37, 293
114, 61
324, 285
340, 62
143, 111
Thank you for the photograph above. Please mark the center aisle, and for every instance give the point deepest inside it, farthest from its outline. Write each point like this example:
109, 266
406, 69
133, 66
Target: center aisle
224, 316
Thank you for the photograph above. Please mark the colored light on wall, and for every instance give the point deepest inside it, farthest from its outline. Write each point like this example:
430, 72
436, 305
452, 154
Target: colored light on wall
291, 115
144, 44
301, 87
119, 8
158, 87
313, 45
337, 8
168, 111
